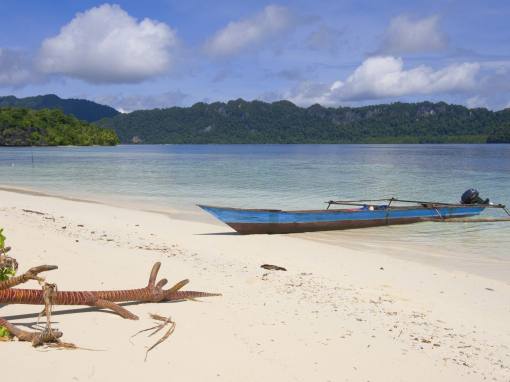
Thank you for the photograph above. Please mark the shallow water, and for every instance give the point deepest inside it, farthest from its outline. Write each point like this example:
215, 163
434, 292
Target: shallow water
176, 177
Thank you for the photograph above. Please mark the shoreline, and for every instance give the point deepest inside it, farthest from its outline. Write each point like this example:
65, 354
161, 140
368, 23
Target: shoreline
386, 240
181, 214
386, 318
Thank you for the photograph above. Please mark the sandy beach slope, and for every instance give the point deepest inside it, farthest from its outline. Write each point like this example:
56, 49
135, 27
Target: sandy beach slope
336, 314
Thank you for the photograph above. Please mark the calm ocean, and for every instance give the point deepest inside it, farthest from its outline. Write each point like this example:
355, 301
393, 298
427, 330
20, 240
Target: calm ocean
176, 177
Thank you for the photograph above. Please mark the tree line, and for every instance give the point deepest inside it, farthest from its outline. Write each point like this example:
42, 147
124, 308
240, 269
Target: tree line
241, 121
27, 127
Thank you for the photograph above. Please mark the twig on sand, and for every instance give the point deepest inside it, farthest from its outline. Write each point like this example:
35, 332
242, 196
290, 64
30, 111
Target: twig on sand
34, 212
272, 267
165, 321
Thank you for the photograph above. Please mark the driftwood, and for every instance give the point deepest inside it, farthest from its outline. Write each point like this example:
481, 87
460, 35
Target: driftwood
49, 296
272, 267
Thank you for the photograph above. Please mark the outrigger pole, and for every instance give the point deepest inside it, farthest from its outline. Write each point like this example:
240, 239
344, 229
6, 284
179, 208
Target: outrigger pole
362, 202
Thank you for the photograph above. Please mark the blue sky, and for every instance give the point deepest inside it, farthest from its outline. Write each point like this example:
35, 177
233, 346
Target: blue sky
146, 54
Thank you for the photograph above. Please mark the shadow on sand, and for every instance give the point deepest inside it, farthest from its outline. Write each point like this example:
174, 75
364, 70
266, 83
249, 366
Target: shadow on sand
71, 311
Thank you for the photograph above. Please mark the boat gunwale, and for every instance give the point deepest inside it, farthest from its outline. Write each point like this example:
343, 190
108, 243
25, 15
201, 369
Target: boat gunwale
345, 210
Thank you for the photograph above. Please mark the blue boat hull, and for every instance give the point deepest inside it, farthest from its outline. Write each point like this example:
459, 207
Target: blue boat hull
251, 221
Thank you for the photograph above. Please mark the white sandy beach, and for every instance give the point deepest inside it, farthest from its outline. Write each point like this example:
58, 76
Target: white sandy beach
337, 314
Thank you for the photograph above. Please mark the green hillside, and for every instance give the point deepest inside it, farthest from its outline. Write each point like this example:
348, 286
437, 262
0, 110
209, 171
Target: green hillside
26, 127
82, 109
240, 121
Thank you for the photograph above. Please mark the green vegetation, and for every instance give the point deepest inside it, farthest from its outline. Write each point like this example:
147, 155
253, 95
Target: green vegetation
283, 122
240, 121
82, 109
5, 272
25, 127
501, 134
2, 239
4, 332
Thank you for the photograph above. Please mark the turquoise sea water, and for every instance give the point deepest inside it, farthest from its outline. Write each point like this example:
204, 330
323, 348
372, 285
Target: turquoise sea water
176, 177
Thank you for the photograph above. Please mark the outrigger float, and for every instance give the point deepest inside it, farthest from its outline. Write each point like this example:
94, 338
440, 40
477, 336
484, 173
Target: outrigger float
362, 214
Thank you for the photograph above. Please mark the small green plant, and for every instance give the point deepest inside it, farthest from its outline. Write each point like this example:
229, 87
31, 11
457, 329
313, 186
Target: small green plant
2, 239
5, 272
4, 332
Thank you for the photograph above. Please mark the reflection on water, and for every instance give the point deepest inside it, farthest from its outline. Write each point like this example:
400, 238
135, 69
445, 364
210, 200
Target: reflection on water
168, 177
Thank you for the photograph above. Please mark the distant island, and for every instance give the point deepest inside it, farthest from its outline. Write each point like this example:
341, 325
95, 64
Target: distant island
82, 109
27, 127
241, 121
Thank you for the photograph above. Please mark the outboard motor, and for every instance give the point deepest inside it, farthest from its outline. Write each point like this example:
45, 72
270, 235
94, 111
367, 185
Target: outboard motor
472, 196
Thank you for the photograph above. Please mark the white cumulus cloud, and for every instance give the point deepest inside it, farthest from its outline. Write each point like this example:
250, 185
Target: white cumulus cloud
406, 35
238, 35
106, 45
385, 77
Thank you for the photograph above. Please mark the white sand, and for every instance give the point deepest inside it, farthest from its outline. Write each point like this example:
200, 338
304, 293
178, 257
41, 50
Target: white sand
337, 314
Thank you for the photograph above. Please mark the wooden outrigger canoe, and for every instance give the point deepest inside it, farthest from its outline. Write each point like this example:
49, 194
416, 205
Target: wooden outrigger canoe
267, 221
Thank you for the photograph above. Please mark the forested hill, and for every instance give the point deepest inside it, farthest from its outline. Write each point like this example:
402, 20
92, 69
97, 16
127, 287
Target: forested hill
240, 121
26, 127
82, 109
